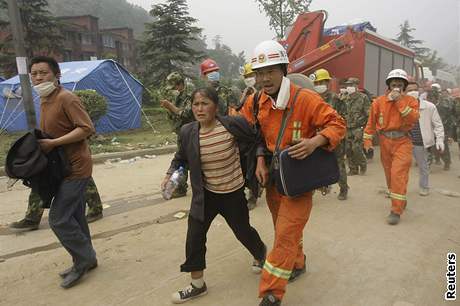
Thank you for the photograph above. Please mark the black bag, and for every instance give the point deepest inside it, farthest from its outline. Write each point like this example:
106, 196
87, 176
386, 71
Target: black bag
297, 176
294, 177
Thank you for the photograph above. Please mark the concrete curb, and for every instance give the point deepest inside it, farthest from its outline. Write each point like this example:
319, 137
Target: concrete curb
102, 157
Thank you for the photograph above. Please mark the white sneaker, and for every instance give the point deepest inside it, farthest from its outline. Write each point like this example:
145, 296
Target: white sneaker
424, 192
188, 293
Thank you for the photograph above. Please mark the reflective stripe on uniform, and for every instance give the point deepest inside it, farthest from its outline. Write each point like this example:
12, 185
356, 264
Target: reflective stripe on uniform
406, 111
280, 273
367, 136
396, 196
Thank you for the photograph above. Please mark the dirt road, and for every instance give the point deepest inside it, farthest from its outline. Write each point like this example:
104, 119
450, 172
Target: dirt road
353, 256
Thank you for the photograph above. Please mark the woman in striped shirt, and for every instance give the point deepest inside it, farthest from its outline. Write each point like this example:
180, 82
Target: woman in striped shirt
217, 151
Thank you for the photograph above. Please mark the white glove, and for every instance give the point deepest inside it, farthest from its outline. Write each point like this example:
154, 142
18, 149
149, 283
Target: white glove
440, 146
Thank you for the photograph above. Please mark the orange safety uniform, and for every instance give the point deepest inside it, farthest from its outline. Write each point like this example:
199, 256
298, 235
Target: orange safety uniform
311, 115
395, 153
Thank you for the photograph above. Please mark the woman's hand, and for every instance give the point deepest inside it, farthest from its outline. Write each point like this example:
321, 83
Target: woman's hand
261, 171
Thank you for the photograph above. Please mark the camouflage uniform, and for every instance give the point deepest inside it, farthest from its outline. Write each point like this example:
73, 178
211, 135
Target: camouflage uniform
446, 109
35, 211
358, 105
457, 119
227, 98
340, 106
183, 102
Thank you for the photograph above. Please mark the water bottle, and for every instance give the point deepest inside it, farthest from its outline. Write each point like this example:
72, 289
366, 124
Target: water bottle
176, 178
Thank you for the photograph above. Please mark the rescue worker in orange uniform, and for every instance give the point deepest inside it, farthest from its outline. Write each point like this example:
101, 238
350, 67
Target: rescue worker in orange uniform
391, 118
312, 124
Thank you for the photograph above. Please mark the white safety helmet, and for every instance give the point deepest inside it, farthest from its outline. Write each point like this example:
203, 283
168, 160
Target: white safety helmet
437, 86
268, 53
397, 74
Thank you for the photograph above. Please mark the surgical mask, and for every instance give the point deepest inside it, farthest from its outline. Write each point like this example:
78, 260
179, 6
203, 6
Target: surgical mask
320, 89
414, 94
250, 82
284, 94
343, 91
351, 90
45, 89
213, 76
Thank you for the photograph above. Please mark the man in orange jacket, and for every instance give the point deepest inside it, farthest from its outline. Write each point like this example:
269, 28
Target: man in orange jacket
392, 117
312, 124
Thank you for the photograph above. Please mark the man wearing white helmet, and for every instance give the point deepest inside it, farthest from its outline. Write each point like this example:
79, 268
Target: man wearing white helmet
312, 124
391, 118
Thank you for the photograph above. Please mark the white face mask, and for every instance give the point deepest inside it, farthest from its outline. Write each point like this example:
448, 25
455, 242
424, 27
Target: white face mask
414, 94
213, 76
351, 90
250, 82
284, 94
45, 89
321, 89
343, 91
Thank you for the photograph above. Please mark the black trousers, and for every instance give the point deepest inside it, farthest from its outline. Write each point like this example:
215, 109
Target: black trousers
68, 222
231, 206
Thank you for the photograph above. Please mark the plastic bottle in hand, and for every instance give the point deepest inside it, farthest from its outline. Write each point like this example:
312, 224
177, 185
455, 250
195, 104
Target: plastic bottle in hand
176, 178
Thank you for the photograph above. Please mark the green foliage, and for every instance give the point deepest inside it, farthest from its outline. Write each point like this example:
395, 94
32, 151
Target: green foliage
432, 61
41, 31
282, 13
95, 104
166, 47
229, 63
406, 39
111, 13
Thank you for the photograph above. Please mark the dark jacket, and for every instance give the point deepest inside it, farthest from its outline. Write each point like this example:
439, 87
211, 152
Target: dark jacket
41, 172
250, 145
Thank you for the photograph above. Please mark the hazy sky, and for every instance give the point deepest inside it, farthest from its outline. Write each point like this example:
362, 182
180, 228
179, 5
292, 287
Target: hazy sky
242, 26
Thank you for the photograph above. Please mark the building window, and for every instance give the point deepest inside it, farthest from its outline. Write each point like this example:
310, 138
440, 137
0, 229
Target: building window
108, 41
67, 56
86, 39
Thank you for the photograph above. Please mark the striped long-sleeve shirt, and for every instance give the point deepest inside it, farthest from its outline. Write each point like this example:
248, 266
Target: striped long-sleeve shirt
220, 161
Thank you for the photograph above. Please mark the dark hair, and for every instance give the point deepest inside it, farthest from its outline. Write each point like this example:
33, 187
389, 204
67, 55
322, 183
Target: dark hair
52, 63
406, 83
208, 92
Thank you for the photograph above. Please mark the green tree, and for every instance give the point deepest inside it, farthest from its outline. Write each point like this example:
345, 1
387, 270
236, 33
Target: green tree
406, 39
433, 61
281, 13
166, 47
229, 63
95, 104
41, 31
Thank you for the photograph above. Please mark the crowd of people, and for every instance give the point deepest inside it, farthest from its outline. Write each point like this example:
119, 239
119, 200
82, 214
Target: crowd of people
229, 147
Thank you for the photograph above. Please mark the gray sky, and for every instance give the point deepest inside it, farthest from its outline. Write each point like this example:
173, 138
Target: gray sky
242, 26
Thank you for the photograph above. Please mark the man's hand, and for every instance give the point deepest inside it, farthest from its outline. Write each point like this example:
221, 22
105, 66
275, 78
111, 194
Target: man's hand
165, 181
166, 104
261, 171
47, 144
440, 146
394, 95
306, 146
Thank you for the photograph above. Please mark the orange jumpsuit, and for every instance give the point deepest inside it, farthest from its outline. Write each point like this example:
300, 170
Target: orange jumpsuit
311, 115
395, 153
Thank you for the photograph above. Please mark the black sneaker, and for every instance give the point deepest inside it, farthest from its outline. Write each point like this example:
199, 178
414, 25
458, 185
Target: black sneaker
343, 194
297, 272
270, 300
25, 224
393, 218
188, 293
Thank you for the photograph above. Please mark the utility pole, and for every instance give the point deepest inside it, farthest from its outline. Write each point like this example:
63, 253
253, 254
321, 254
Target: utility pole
21, 62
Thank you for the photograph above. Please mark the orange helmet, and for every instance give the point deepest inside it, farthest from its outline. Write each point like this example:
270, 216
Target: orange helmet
208, 65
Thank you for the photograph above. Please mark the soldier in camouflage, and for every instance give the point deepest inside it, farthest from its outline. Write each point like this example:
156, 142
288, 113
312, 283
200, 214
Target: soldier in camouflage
446, 110
179, 112
457, 117
35, 209
358, 105
322, 79
227, 98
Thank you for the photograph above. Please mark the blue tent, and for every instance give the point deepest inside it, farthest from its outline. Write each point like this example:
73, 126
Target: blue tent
107, 77
1, 79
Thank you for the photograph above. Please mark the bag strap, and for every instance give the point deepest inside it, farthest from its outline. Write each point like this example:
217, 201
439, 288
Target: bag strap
286, 115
